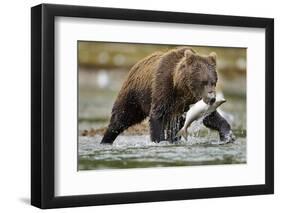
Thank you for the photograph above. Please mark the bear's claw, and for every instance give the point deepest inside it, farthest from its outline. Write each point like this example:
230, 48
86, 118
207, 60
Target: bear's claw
228, 138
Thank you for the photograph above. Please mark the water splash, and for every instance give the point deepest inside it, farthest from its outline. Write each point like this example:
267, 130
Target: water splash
140, 152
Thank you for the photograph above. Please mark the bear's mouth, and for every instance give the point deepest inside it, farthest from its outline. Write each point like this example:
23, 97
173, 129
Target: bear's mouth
209, 101
212, 101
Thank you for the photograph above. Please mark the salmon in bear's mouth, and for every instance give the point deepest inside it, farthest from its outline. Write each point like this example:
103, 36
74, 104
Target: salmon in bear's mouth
209, 101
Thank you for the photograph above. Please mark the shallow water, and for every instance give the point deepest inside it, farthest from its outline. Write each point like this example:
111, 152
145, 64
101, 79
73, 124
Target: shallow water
137, 151
140, 152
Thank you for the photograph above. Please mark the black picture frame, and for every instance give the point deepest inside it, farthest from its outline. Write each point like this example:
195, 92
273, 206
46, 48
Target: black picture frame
43, 105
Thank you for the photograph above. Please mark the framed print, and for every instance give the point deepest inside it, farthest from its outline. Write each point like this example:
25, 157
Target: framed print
139, 106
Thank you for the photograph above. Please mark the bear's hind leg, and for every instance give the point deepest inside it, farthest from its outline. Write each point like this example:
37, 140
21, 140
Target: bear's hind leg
111, 133
122, 119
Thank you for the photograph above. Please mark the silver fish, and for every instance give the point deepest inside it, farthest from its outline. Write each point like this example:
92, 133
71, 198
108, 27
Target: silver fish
198, 110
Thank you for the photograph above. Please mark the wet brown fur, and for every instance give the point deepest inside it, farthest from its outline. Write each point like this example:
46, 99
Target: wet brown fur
160, 86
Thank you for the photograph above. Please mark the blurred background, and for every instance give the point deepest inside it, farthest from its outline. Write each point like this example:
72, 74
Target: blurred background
103, 67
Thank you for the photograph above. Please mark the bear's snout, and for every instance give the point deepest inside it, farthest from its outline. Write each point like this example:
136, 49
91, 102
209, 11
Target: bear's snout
210, 98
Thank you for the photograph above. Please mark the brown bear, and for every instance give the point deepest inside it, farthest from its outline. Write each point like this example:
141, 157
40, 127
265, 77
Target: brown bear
161, 87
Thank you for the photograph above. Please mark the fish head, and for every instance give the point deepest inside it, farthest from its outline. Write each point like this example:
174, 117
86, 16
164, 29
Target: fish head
219, 101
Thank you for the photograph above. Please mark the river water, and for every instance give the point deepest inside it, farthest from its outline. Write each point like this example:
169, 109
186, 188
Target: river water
202, 147
137, 151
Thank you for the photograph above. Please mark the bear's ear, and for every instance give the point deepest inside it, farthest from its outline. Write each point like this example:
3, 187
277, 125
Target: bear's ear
189, 55
213, 58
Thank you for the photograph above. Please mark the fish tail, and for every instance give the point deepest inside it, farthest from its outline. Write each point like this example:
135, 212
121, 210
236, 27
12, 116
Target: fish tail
183, 133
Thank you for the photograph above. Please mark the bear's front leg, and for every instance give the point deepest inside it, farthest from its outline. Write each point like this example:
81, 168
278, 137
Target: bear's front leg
156, 129
216, 122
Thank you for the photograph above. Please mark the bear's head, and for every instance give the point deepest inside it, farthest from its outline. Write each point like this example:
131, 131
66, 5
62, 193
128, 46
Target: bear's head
199, 76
